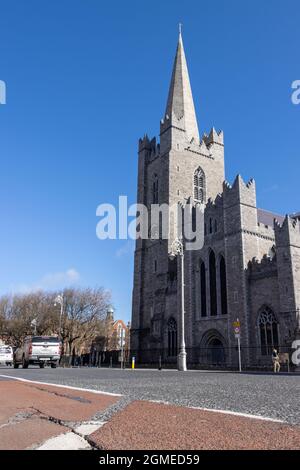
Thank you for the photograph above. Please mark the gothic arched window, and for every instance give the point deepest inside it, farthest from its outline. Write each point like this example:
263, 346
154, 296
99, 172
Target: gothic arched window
223, 286
172, 337
155, 190
203, 289
172, 270
268, 328
213, 284
199, 185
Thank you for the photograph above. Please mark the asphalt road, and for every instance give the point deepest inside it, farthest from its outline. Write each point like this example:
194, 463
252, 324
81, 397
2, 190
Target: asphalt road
264, 395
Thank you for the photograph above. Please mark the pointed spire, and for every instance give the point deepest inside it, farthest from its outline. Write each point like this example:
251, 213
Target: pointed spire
180, 100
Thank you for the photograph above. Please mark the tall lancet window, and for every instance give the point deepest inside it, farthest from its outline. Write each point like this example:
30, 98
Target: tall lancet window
223, 286
203, 289
155, 190
268, 327
172, 337
213, 284
199, 185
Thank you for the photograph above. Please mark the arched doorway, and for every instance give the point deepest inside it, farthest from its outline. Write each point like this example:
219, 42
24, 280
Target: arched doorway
213, 349
215, 352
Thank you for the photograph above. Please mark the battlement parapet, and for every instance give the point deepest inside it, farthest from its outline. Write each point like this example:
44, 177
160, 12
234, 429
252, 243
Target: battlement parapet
214, 203
287, 232
239, 192
289, 224
267, 266
151, 147
200, 149
213, 137
172, 121
266, 230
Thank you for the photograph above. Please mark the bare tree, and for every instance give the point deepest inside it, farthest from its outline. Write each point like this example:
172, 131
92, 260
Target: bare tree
84, 312
18, 313
84, 315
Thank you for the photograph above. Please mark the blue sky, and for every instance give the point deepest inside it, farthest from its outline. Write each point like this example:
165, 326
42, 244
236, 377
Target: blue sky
86, 78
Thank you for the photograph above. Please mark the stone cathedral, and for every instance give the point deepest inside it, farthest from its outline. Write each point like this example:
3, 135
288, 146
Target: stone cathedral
248, 267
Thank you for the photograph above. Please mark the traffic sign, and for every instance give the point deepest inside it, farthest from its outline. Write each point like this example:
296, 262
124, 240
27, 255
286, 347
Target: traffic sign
237, 334
237, 327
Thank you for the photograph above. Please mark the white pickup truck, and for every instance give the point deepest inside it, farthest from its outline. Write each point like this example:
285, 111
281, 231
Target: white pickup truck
39, 350
6, 355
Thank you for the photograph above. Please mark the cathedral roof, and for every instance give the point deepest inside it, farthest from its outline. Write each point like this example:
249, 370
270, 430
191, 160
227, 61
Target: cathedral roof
267, 217
180, 100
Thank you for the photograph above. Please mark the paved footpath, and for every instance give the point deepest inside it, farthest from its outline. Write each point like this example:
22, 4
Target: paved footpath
46, 416
31, 414
156, 426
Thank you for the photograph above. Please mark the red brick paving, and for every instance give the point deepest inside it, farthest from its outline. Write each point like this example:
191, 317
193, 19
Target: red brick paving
143, 425
25, 407
50, 400
18, 431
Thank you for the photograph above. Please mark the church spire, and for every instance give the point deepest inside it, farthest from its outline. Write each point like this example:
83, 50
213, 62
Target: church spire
180, 100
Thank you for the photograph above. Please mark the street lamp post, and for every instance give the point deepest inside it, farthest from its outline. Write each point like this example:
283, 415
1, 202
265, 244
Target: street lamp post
34, 324
177, 249
60, 300
122, 348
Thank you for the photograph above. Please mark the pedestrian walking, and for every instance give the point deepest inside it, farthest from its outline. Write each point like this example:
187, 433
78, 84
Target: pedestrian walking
276, 361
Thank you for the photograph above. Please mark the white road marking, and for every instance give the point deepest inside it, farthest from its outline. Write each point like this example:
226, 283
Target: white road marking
227, 412
237, 413
160, 402
98, 392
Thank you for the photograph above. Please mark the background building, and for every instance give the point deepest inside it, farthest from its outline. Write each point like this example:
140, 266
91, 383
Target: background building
114, 346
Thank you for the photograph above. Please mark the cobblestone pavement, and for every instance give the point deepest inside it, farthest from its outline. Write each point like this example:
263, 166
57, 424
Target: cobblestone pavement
270, 396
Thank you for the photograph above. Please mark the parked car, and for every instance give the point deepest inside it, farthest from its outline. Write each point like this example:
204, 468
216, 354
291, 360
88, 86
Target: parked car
39, 350
6, 355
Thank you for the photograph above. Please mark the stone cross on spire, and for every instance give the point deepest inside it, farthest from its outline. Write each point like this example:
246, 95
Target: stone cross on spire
180, 100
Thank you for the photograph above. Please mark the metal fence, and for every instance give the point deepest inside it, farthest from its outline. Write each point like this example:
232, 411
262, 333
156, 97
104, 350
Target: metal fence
197, 358
96, 359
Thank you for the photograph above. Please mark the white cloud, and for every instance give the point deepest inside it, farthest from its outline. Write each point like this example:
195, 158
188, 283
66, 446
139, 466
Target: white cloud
51, 281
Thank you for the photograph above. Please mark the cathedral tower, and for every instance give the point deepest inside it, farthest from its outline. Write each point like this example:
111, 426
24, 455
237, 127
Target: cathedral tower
182, 167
